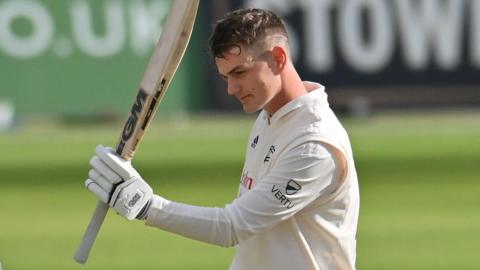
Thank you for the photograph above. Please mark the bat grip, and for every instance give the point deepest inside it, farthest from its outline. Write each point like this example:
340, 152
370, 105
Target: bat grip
90, 235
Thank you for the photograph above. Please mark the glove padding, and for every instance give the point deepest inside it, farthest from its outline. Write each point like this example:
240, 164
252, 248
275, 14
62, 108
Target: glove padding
114, 181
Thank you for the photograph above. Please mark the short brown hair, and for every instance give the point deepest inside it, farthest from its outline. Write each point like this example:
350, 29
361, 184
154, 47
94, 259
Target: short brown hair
244, 27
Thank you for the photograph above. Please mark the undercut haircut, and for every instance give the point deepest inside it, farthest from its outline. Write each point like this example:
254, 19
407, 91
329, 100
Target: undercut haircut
245, 28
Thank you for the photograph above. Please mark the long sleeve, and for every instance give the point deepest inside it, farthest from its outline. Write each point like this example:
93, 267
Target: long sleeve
300, 176
206, 224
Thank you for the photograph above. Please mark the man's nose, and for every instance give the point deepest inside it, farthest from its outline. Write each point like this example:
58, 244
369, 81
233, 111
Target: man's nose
232, 87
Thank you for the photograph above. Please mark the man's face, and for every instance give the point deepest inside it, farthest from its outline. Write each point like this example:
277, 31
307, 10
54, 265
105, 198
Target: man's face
251, 78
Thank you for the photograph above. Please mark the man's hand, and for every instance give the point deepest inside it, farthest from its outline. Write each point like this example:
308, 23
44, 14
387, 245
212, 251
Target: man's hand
114, 181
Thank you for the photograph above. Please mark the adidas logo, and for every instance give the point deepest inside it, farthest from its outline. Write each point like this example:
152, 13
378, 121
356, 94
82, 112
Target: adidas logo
255, 142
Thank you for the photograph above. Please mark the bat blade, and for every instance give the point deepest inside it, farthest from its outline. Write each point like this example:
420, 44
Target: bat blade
158, 75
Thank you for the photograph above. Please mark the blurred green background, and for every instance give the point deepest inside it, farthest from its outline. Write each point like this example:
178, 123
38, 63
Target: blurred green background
418, 179
69, 71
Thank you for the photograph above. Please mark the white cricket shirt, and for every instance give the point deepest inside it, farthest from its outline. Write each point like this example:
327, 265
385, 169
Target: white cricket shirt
298, 199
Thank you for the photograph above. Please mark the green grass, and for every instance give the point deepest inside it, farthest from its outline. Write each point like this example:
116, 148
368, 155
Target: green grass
418, 180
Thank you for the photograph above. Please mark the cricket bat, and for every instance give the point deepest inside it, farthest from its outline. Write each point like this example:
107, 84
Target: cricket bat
159, 73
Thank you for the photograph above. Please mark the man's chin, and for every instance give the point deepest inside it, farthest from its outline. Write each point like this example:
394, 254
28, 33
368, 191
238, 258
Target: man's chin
248, 109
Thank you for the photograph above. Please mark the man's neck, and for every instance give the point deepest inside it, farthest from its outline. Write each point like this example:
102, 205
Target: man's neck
292, 88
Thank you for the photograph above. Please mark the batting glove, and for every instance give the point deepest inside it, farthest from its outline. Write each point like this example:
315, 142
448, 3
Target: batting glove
114, 181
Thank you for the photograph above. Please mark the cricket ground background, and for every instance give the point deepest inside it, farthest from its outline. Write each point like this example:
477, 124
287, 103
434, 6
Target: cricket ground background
406, 92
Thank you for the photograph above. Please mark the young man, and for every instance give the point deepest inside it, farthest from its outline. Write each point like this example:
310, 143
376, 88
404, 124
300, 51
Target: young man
298, 202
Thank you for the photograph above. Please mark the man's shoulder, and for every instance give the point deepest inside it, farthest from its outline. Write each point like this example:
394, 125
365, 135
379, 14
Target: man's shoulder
312, 122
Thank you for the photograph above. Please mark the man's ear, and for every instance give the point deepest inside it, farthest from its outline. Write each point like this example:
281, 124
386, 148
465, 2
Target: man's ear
280, 57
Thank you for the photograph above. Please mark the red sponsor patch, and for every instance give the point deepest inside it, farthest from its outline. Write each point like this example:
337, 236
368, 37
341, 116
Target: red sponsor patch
246, 181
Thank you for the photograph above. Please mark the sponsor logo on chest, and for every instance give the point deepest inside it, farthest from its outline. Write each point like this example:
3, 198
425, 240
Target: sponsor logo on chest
291, 188
246, 181
271, 151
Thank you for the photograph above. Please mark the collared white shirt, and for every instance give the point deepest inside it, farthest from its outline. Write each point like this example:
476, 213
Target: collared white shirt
298, 199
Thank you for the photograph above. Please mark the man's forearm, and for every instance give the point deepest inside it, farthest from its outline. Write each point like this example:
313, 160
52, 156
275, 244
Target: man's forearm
206, 224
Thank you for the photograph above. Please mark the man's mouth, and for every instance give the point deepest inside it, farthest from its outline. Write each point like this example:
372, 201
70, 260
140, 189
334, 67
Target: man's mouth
243, 99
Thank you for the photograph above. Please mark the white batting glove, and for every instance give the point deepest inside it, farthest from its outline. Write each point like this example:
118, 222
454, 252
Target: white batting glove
114, 181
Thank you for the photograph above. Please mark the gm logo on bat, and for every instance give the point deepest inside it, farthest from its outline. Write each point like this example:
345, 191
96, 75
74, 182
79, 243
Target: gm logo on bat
132, 120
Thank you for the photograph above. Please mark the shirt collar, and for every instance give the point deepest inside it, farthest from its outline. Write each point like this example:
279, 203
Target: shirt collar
316, 95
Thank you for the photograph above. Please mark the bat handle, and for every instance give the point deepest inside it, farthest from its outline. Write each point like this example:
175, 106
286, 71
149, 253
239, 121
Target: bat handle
90, 235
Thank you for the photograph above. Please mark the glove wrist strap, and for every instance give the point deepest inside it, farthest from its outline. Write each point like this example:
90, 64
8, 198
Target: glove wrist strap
142, 215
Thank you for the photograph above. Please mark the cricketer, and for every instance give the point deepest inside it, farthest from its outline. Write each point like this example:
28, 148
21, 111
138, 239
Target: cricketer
298, 200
